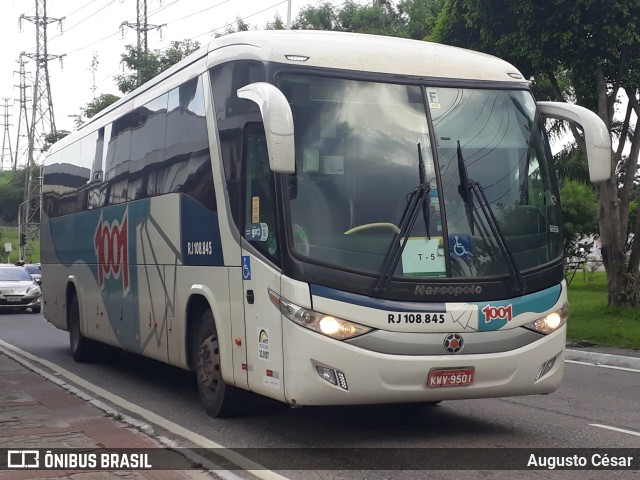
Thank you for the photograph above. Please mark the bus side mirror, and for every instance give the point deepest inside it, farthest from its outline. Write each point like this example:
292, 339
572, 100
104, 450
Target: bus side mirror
596, 135
278, 124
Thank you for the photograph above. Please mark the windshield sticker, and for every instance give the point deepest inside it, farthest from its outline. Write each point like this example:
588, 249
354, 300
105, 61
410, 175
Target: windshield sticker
311, 160
255, 209
460, 246
434, 100
256, 232
333, 165
246, 267
423, 256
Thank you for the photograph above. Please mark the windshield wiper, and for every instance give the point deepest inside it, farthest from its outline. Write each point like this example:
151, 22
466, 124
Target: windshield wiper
418, 197
464, 190
425, 200
467, 189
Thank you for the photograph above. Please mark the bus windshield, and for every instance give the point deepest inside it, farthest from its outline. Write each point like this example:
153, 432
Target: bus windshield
359, 150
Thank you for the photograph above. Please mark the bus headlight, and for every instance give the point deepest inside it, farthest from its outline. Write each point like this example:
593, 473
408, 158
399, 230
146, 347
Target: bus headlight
550, 322
328, 325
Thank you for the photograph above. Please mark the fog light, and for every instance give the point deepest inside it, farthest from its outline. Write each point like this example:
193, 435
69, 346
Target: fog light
334, 377
327, 374
545, 368
342, 380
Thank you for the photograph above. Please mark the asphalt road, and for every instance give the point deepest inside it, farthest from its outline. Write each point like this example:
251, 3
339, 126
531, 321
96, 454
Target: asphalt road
594, 408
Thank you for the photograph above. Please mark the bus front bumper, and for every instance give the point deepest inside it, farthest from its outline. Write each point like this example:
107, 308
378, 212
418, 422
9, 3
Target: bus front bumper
366, 377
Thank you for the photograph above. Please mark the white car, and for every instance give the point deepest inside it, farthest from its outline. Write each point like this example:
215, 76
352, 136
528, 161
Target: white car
18, 290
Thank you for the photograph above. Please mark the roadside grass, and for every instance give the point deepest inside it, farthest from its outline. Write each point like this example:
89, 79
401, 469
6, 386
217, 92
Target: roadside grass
592, 320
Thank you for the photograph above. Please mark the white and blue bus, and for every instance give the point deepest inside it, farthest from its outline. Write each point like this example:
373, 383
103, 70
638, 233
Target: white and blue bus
320, 218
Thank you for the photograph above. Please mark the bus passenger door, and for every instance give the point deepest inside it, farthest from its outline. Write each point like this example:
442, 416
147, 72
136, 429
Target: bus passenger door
260, 268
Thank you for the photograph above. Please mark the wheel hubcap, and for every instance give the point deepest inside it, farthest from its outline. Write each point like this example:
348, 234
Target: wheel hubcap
209, 363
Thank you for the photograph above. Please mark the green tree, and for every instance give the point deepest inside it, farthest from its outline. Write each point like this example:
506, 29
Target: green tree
579, 211
53, 137
146, 65
420, 16
98, 104
275, 24
595, 44
240, 26
323, 16
571, 165
11, 196
408, 18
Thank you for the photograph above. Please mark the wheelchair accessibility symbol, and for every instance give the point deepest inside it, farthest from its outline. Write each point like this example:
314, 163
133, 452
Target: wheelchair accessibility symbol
460, 246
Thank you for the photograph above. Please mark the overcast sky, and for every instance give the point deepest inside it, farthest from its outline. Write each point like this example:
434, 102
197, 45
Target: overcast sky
93, 27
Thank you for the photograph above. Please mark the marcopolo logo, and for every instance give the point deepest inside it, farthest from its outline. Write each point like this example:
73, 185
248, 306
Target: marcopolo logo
497, 313
112, 250
455, 290
453, 343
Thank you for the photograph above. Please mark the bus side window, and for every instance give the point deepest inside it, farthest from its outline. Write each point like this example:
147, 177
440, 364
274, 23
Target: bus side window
147, 148
118, 159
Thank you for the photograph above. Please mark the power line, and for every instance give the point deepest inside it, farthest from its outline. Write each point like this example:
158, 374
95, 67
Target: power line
93, 43
203, 10
86, 18
81, 8
162, 8
240, 19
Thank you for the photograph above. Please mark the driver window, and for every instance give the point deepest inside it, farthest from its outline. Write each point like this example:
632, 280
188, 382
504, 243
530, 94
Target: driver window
260, 227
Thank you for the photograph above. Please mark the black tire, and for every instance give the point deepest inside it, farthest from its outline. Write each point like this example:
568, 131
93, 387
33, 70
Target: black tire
36, 309
219, 399
82, 349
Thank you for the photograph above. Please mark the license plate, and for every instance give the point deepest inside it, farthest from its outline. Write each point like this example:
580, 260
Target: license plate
13, 298
450, 377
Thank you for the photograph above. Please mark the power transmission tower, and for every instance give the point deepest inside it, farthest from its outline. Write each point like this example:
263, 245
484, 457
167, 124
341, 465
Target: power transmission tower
6, 138
23, 117
42, 124
141, 27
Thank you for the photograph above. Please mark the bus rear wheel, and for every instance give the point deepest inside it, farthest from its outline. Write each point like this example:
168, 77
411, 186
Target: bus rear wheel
81, 347
218, 398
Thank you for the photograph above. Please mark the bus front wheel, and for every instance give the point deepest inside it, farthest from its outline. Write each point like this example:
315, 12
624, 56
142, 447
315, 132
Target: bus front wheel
81, 347
218, 398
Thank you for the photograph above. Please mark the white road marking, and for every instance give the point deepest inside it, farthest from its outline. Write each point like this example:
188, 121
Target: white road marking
600, 365
616, 429
233, 457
